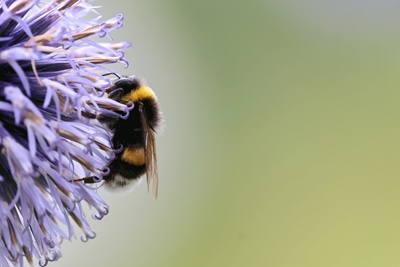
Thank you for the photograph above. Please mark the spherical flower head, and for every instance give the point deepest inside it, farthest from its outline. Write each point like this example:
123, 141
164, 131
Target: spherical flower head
51, 90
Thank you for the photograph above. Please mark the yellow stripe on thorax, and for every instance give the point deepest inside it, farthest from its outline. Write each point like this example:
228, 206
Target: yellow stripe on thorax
134, 156
139, 94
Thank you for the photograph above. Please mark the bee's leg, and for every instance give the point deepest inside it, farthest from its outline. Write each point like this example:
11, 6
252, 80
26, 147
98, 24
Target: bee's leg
88, 180
108, 119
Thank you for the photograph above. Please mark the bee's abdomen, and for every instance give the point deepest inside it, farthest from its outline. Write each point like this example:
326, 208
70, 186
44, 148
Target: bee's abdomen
118, 166
134, 156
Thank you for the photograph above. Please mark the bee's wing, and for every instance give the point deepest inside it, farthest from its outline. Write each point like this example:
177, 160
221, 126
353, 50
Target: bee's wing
150, 154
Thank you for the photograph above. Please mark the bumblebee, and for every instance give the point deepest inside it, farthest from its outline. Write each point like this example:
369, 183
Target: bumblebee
134, 134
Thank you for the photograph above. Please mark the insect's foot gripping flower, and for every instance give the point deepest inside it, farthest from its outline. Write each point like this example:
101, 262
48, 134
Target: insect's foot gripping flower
51, 89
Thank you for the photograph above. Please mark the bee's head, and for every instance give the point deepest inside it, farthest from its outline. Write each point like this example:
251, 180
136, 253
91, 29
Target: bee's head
127, 84
133, 90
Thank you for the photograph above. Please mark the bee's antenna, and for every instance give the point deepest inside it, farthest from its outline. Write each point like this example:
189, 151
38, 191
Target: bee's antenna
112, 73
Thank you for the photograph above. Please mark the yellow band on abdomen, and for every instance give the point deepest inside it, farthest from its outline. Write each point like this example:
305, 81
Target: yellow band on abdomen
134, 156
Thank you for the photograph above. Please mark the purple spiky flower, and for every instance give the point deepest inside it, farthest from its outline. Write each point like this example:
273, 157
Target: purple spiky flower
51, 88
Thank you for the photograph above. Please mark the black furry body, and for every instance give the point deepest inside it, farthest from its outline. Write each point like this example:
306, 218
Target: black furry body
130, 134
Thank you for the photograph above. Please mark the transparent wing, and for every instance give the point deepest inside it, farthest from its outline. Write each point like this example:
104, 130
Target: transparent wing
150, 154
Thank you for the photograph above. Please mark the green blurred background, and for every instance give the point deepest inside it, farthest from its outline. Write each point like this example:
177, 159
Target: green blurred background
282, 142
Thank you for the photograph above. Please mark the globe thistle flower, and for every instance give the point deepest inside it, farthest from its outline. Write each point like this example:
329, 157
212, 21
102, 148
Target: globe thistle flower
51, 89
